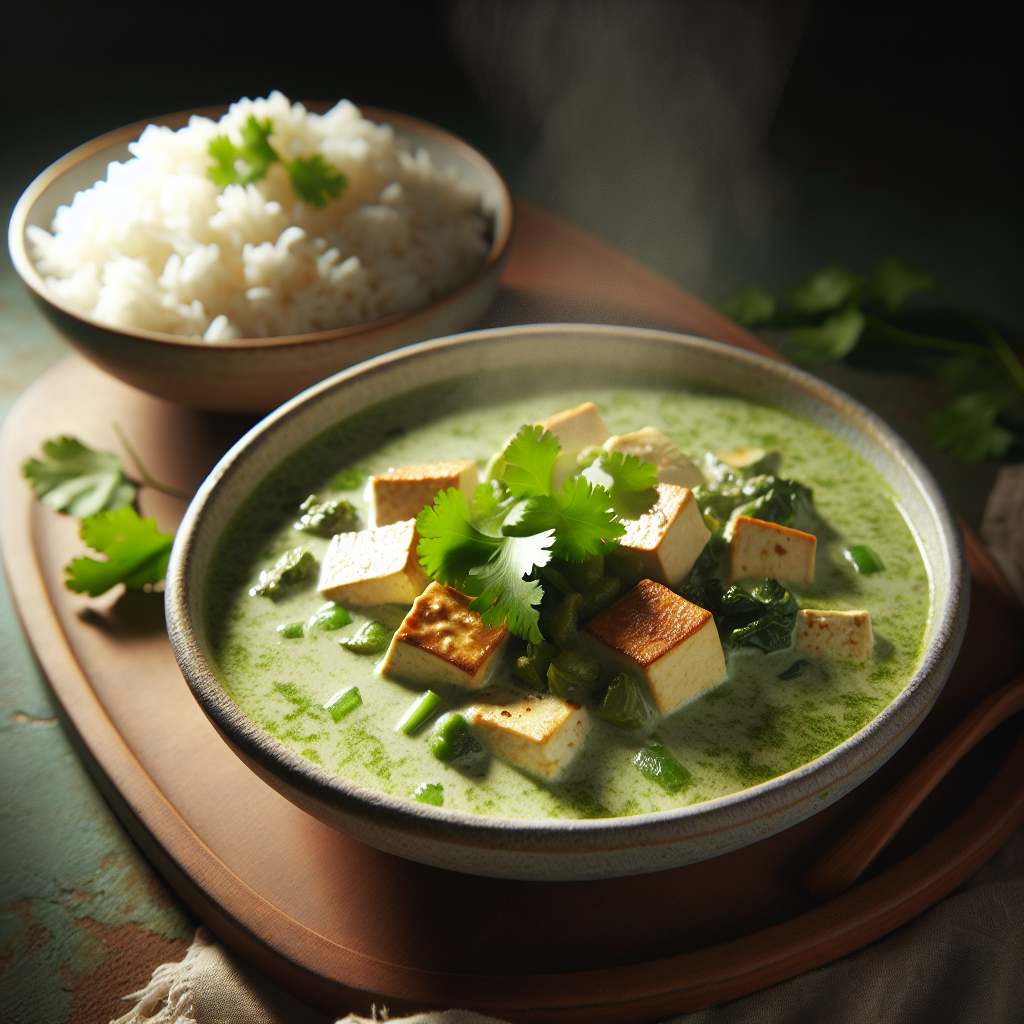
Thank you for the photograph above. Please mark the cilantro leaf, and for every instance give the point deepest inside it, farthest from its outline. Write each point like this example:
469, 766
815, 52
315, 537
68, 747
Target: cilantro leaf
255, 154
967, 427
499, 590
749, 306
581, 516
896, 280
529, 461
824, 290
490, 505
629, 481
78, 480
136, 551
315, 181
450, 546
833, 339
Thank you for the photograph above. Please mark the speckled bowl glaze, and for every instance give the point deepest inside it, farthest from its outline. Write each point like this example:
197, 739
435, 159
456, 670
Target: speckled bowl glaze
565, 849
252, 375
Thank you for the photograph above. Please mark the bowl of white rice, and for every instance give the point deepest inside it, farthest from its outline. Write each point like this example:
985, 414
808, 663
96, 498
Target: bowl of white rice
228, 258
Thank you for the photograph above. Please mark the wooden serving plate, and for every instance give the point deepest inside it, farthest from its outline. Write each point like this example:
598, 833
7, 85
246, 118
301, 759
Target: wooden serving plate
342, 925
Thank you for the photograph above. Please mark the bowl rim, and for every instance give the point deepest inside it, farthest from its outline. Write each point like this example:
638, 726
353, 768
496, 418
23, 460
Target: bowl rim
893, 724
26, 268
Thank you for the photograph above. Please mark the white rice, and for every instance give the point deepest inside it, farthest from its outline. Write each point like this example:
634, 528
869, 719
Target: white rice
159, 246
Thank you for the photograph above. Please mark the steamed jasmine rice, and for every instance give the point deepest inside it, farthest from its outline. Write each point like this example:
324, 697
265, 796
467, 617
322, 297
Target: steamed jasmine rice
160, 245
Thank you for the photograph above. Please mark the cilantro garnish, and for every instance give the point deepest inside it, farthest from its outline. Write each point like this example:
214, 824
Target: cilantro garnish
314, 180
78, 480
136, 551
491, 549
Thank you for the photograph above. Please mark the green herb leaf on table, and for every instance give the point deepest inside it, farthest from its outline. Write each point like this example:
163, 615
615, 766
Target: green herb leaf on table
529, 462
629, 482
834, 338
136, 551
895, 281
500, 592
750, 306
967, 427
315, 181
825, 290
78, 480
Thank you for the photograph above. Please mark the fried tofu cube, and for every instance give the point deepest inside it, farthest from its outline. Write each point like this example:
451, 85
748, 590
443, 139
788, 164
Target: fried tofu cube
577, 428
669, 538
760, 549
540, 734
403, 493
377, 566
650, 445
663, 638
443, 640
839, 634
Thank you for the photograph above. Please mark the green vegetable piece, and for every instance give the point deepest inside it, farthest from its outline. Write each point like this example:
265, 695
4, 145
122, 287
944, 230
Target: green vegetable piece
896, 280
657, 764
494, 468
630, 482
749, 306
574, 677
625, 566
600, 595
588, 457
255, 155
348, 480
824, 290
532, 667
290, 571
429, 793
863, 559
136, 551
834, 338
343, 703
372, 638
291, 630
794, 670
581, 575
500, 591
330, 616
564, 620
454, 743
623, 705
420, 711
773, 629
529, 461
78, 480
315, 181
327, 518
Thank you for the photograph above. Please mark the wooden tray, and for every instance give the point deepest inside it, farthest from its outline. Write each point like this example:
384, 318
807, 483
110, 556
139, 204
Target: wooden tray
342, 925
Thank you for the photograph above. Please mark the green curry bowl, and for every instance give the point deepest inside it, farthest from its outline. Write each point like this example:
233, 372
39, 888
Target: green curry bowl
247, 375
295, 672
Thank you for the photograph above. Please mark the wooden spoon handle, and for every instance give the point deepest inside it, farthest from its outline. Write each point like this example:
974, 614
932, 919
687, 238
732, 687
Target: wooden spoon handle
844, 863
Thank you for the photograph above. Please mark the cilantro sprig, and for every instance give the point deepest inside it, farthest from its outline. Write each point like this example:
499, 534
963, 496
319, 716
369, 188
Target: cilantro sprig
492, 548
833, 313
313, 179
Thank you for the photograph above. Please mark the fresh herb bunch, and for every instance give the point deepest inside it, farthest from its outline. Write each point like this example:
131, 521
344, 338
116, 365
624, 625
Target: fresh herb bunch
828, 315
492, 548
314, 180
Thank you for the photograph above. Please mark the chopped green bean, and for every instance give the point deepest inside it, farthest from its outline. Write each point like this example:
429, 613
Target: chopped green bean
429, 793
343, 703
371, 639
625, 566
794, 670
419, 712
564, 620
327, 518
574, 677
623, 705
601, 594
330, 616
863, 559
287, 573
291, 630
657, 764
454, 743
532, 667
583, 575
348, 480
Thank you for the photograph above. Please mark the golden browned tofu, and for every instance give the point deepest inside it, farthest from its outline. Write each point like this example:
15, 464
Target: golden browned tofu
650, 445
577, 428
403, 493
540, 734
443, 640
663, 638
669, 538
376, 566
835, 634
760, 549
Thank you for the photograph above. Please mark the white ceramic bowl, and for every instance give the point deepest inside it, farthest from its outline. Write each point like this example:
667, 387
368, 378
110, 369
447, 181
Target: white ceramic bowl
252, 375
565, 849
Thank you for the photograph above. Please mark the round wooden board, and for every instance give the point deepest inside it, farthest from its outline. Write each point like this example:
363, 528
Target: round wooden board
342, 925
